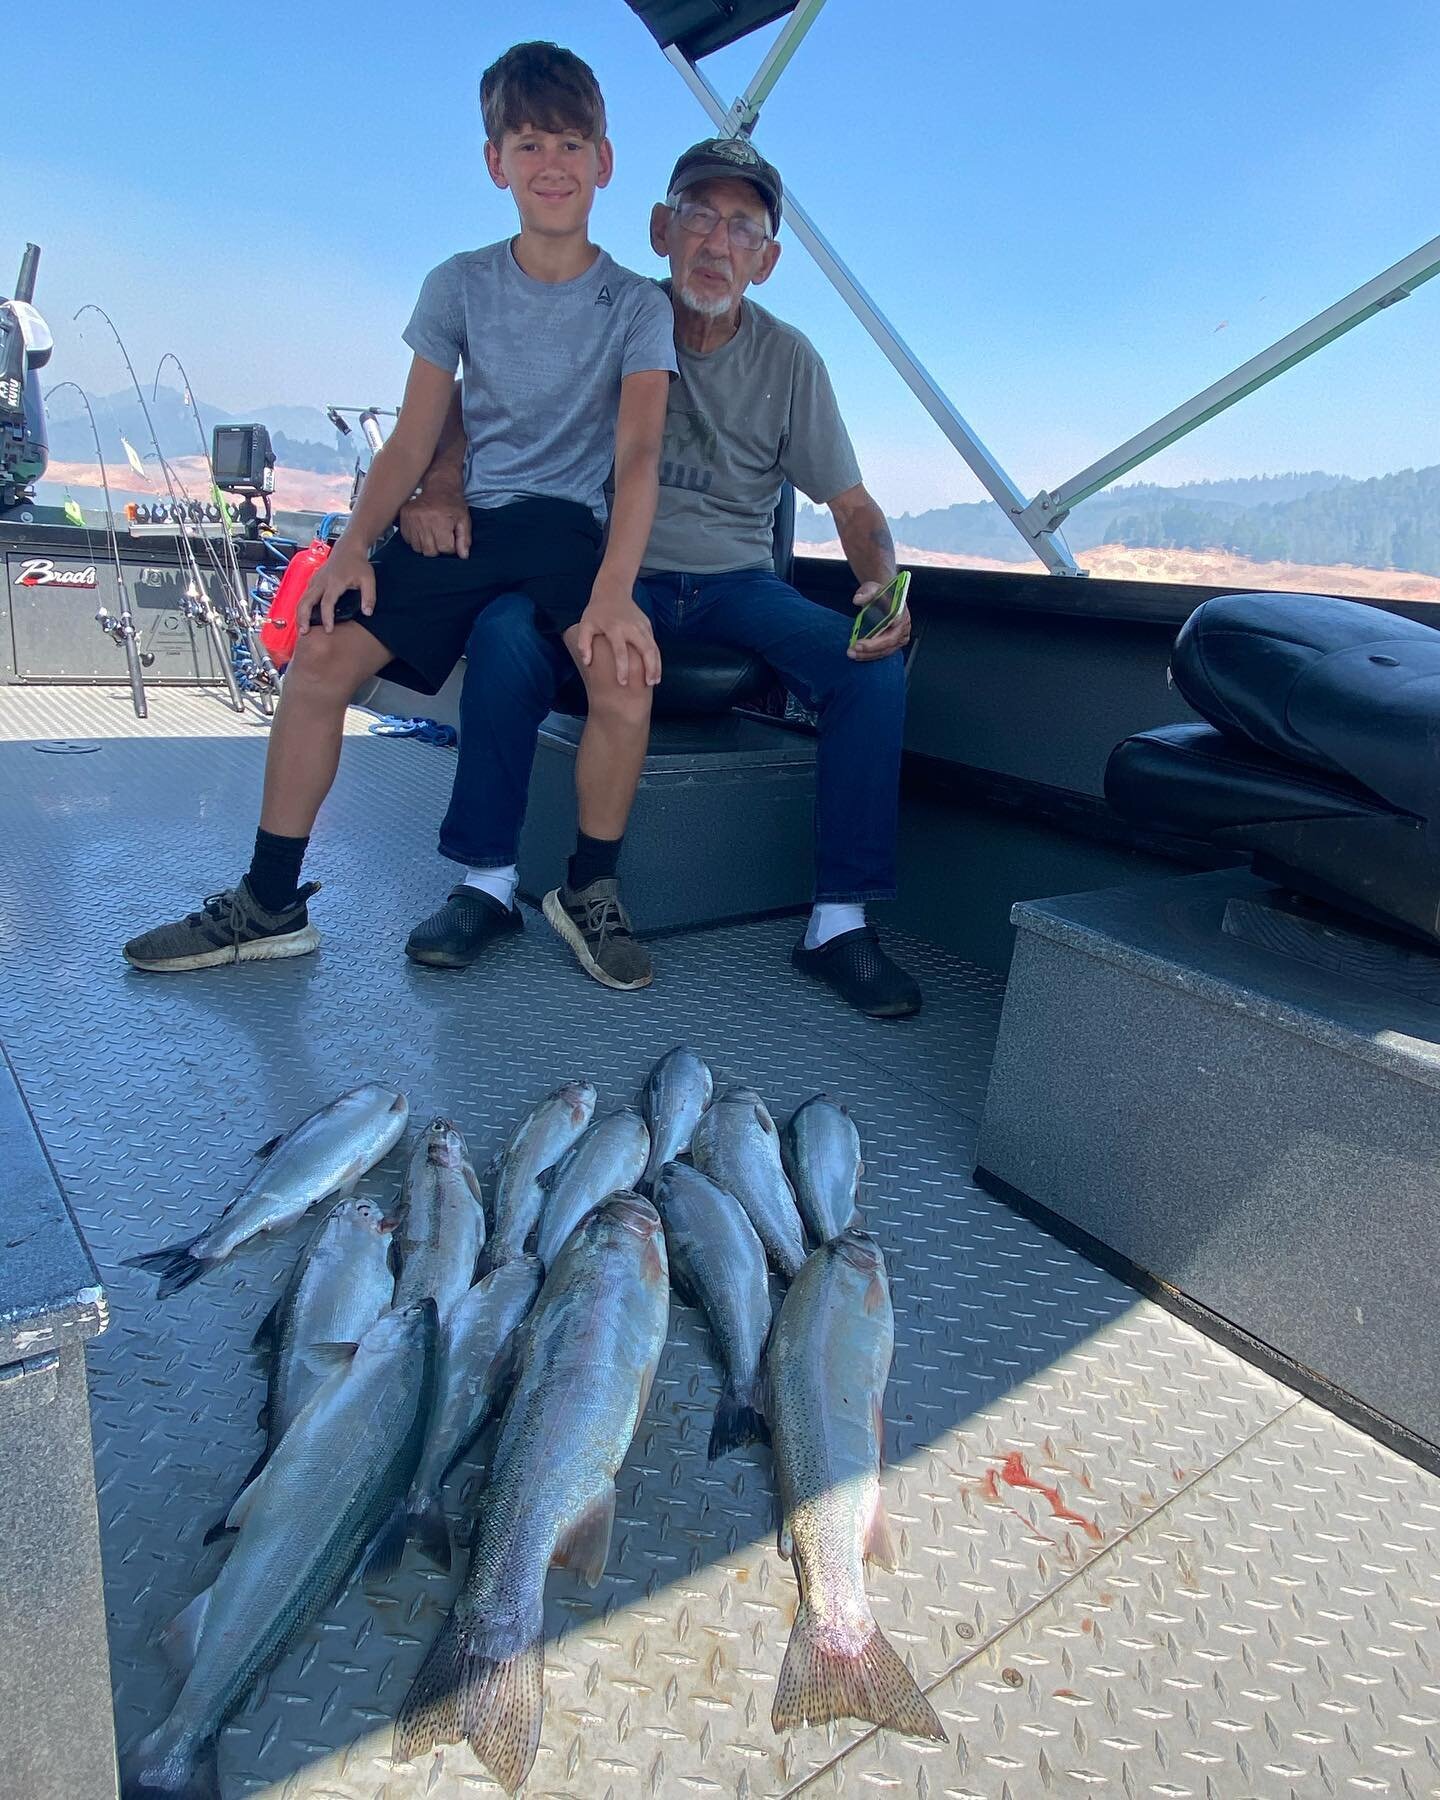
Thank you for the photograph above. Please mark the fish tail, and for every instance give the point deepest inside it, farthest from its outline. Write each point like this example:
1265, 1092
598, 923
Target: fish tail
174, 1264
477, 1686
737, 1421
821, 1680
429, 1529
155, 1770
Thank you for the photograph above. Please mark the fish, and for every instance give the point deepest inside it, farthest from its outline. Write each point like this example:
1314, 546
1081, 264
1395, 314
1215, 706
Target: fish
323, 1155
336, 1482
718, 1264
538, 1143
337, 1290
609, 1157
820, 1148
477, 1344
737, 1146
442, 1223
676, 1091
825, 1370
591, 1349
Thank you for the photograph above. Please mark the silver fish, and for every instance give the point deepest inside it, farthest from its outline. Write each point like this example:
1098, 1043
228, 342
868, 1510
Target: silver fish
608, 1158
337, 1290
538, 1144
323, 1155
676, 1091
590, 1353
442, 1224
339, 1474
821, 1150
826, 1369
718, 1264
737, 1146
477, 1342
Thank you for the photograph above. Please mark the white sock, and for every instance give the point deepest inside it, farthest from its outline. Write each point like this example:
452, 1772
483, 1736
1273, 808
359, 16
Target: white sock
828, 919
499, 884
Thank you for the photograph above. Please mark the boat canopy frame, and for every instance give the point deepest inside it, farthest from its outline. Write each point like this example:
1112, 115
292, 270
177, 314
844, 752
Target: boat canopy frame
689, 29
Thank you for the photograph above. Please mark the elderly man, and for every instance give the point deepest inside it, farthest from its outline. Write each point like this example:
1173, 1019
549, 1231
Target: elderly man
751, 408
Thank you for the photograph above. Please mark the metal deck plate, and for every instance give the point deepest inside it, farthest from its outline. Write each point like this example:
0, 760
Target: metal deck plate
1255, 1578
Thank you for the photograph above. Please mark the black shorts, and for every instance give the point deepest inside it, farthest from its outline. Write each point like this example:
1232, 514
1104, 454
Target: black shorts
425, 606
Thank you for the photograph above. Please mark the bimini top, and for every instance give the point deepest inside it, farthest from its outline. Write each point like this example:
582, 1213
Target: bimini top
699, 26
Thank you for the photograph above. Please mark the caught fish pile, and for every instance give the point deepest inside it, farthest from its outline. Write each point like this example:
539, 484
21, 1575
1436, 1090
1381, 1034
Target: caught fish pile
543, 1306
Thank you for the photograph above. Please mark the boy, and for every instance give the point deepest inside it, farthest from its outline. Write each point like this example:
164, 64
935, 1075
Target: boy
566, 359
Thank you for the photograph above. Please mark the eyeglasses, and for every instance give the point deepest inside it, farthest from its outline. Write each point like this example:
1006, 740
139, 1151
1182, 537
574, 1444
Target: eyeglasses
744, 232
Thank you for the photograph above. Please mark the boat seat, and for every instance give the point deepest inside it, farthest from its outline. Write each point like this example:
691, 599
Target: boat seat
1320, 758
704, 680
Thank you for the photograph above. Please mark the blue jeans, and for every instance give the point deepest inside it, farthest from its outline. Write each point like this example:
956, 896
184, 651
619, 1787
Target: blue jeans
514, 672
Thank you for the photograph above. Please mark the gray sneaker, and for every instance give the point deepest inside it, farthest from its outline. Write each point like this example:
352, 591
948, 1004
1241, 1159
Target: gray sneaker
597, 928
229, 928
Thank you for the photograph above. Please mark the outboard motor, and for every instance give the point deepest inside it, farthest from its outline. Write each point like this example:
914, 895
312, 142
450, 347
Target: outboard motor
25, 346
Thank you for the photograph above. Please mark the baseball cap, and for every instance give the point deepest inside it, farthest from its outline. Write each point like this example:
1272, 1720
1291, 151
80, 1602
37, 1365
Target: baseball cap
730, 159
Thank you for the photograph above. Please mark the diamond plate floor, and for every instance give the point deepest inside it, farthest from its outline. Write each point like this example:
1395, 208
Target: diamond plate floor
1128, 1559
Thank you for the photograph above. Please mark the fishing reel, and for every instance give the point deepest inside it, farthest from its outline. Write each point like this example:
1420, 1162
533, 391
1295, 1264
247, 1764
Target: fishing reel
121, 631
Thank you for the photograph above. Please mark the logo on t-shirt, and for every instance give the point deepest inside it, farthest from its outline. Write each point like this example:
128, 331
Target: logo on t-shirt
603, 297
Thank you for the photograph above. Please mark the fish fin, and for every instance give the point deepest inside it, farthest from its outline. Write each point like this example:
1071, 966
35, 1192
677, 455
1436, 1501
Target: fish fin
784, 1540
545, 1180
585, 1547
387, 1546
427, 1525
148, 1772
222, 1526
879, 1545
330, 1356
766, 1122
175, 1265
493, 1701
876, 1295
737, 1422
267, 1332
243, 1504
181, 1637
683, 1286
270, 1146
399, 1104
818, 1683
878, 1411
262, 1418
472, 1181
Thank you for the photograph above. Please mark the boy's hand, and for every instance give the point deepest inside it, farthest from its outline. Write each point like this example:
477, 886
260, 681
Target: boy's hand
437, 521
613, 615
343, 569
895, 636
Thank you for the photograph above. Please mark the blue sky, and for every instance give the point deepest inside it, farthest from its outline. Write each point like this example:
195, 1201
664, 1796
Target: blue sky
1076, 214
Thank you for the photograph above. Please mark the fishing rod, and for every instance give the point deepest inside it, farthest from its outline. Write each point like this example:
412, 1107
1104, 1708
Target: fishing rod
262, 671
198, 604
369, 418
122, 630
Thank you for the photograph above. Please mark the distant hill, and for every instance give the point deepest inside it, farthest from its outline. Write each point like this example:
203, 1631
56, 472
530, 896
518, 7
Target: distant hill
302, 435
1389, 522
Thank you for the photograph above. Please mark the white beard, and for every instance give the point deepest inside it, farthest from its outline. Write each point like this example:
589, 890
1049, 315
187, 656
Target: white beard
703, 304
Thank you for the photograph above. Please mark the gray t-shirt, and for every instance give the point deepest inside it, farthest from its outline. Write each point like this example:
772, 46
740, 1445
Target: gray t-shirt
751, 415
541, 364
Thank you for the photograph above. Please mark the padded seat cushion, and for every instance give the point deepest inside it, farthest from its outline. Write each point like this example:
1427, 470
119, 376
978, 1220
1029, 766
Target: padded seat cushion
697, 680
1335, 685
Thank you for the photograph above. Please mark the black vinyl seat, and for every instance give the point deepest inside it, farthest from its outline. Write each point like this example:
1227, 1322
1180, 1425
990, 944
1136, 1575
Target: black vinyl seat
1321, 758
703, 680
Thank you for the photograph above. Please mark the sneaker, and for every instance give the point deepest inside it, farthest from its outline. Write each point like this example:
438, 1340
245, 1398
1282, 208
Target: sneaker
597, 928
229, 928
455, 935
860, 972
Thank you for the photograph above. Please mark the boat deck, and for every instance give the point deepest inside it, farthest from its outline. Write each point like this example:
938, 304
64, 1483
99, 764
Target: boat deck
1130, 1563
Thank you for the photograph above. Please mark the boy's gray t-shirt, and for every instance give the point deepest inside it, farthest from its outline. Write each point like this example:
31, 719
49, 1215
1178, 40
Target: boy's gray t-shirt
541, 364
758, 411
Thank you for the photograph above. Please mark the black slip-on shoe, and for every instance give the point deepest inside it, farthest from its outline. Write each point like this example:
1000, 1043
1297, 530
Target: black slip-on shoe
860, 972
455, 935
229, 928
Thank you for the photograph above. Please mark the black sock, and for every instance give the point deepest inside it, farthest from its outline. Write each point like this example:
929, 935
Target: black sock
274, 873
594, 859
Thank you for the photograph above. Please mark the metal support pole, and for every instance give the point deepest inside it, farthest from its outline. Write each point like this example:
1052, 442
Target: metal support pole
1049, 546
746, 109
1048, 509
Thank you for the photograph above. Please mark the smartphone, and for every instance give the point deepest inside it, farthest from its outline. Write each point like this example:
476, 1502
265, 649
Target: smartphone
876, 614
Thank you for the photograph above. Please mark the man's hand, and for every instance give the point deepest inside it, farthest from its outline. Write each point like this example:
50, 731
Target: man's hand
614, 616
437, 521
895, 636
343, 569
